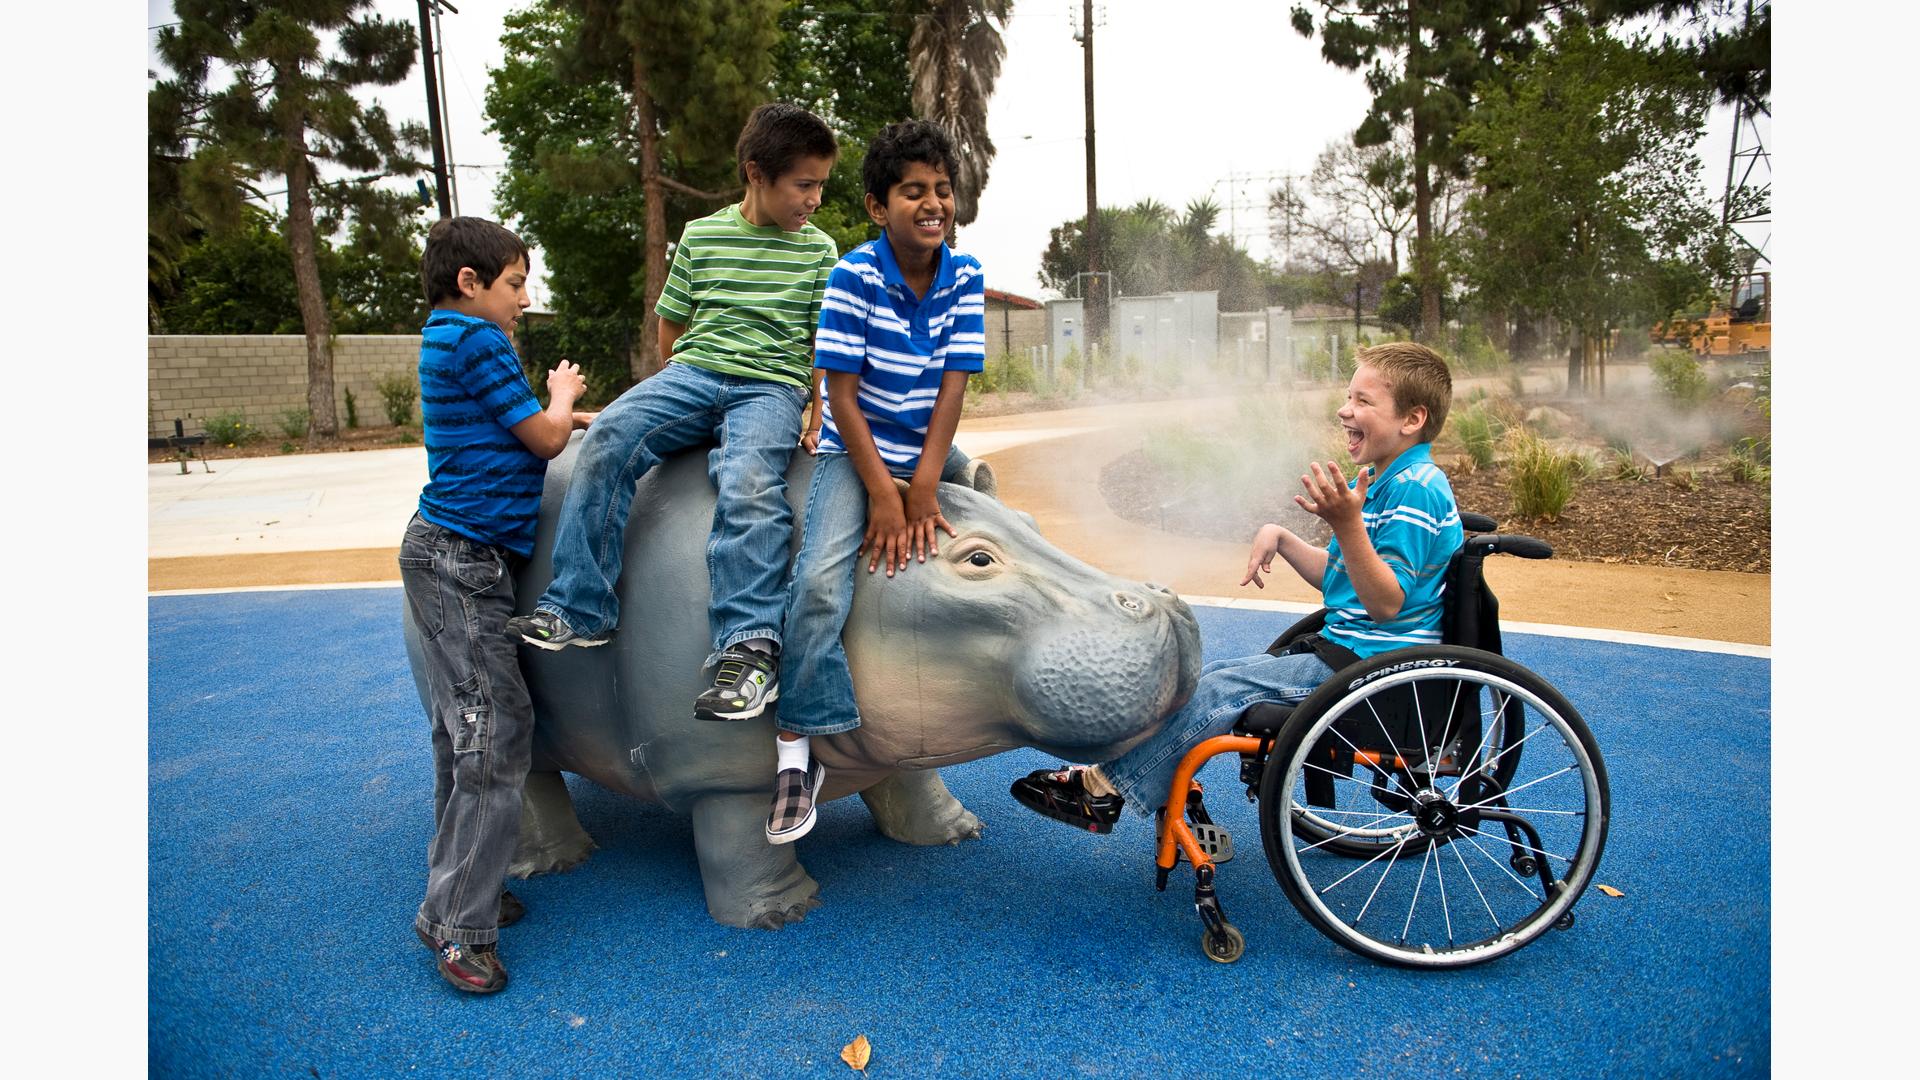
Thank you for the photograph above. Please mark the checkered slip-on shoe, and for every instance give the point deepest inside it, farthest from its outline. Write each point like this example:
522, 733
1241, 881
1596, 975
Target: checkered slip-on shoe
793, 811
745, 682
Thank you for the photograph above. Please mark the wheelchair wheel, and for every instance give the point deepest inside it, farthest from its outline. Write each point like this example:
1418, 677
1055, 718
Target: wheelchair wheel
1465, 861
1353, 825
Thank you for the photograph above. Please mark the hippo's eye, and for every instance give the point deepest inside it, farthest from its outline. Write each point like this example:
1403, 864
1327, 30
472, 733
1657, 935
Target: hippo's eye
980, 558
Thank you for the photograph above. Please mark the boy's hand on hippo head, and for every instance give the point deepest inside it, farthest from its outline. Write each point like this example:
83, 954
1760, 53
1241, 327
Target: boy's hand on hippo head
886, 537
924, 520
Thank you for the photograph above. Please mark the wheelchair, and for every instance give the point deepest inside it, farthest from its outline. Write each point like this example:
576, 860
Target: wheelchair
1429, 807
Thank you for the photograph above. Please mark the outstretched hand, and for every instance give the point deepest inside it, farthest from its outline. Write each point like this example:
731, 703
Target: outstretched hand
1266, 544
1329, 498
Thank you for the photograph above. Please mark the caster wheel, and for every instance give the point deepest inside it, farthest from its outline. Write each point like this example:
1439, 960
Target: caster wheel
1226, 947
1524, 866
1564, 922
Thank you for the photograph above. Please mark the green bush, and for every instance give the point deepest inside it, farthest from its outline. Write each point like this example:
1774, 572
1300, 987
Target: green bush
1624, 466
230, 428
353, 414
1478, 431
397, 395
1750, 461
1004, 373
1540, 478
1680, 377
294, 423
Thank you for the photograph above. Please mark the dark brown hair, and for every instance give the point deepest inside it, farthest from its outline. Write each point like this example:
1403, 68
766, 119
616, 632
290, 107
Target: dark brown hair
454, 242
777, 134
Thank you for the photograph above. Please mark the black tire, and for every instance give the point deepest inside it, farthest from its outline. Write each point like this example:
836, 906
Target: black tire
1490, 910
1230, 946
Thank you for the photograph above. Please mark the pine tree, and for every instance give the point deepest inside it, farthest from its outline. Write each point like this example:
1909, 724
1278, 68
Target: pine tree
258, 93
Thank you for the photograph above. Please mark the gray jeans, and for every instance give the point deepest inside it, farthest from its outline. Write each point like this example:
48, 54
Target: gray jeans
460, 592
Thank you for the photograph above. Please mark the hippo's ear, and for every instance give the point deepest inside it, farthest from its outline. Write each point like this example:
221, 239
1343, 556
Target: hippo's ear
979, 477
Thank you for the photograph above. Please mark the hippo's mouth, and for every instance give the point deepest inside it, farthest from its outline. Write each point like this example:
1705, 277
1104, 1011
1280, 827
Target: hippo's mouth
1090, 694
935, 761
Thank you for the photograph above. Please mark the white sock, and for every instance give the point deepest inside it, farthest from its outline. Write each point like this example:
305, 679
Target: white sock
1096, 782
793, 753
761, 645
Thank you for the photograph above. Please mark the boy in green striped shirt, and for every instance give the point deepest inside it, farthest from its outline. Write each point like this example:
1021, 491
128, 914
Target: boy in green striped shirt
737, 316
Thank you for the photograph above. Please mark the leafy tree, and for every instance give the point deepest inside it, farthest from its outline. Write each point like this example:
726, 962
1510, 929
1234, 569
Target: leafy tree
1150, 249
1591, 206
692, 71
1424, 60
1734, 58
289, 107
1359, 198
955, 55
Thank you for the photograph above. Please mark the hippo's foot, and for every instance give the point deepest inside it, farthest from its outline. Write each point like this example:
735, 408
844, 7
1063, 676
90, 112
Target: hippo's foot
915, 807
551, 838
749, 882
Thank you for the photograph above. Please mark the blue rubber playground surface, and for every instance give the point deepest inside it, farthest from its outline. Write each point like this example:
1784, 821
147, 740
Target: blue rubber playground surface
290, 795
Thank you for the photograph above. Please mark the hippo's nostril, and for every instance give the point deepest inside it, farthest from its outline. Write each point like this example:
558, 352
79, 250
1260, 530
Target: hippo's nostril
1131, 604
1153, 587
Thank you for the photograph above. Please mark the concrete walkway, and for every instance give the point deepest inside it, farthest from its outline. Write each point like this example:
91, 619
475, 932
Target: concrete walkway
317, 519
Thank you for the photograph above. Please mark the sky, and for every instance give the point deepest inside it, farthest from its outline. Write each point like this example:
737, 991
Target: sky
1209, 103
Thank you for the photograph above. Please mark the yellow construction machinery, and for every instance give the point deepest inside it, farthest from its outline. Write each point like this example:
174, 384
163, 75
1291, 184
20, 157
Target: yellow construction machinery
1742, 326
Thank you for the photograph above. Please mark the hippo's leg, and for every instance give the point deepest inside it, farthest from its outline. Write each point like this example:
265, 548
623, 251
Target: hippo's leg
749, 882
914, 807
550, 836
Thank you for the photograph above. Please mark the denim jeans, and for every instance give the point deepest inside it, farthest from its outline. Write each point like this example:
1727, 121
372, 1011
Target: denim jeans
755, 424
1227, 689
816, 689
460, 592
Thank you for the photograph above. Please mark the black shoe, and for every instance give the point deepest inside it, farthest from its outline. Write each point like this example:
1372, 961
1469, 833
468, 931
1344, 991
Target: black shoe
473, 968
1062, 795
511, 909
745, 682
545, 630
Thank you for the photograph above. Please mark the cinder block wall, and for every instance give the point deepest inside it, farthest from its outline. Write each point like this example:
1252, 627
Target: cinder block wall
193, 377
1014, 331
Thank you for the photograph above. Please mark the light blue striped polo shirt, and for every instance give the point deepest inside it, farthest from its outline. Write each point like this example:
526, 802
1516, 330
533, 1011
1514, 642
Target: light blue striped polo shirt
1414, 526
871, 323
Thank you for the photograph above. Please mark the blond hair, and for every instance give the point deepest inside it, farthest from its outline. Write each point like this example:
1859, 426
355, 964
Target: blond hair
1418, 377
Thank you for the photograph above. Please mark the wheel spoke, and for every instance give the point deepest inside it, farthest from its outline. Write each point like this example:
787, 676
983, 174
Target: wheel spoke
1517, 879
1540, 780
1396, 849
1337, 775
1521, 844
1414, 904
1475, 882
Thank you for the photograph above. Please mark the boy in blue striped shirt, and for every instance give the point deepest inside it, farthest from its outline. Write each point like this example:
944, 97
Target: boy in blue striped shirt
488, 443
902, 325
1395, 528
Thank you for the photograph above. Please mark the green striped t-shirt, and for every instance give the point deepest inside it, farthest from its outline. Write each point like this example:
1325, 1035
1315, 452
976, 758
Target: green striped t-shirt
749, 296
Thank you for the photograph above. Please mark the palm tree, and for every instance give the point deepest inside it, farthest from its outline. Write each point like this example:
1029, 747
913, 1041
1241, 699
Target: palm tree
954, 57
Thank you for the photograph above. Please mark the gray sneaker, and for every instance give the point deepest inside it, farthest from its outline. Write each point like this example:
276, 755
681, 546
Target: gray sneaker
745, 682
545, 630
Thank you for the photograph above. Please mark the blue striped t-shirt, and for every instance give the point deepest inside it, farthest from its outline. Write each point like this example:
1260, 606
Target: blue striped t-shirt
872, 323
1414, 525
482, 482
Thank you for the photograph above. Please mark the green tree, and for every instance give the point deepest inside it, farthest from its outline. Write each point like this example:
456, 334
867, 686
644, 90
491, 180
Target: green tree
1424, 60
955, 55
1590, 207
288, 106
1150, 249
692, 70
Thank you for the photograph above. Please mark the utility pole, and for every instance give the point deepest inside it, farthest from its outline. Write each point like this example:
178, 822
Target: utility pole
1095, 305
446, 125
433, 107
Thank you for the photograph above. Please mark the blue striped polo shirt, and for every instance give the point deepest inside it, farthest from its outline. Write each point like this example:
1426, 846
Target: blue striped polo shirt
482, 482
1414, 526
872, 323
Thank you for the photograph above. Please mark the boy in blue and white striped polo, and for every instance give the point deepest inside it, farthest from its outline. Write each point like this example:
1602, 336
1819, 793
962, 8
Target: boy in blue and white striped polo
902, 325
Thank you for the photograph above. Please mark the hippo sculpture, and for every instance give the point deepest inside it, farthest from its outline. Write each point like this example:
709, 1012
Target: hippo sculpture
1001, 641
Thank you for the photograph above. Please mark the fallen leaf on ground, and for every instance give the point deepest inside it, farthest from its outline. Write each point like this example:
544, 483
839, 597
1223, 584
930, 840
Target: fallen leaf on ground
856, 1053
1610, 890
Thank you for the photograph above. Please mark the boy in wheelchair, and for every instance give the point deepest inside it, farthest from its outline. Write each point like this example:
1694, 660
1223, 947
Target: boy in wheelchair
1395, 528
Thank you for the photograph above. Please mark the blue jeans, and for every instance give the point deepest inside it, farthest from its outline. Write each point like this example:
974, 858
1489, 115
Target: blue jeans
816, 689
460, 592
1227, 689
756, 425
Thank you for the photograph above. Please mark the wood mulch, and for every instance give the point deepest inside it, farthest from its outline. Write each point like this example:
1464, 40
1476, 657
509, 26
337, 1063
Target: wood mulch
1713, 524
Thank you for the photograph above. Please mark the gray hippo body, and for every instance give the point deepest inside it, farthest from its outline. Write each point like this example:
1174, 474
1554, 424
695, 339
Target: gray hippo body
1001, 641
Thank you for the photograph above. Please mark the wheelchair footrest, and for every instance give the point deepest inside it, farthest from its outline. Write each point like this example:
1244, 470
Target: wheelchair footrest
1213, 840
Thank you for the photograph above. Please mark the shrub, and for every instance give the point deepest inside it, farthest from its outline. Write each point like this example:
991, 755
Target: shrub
1750, 460
294, 423
397, 395
1625, 467
1684, 479
1680, 377
1540, 478
1478, 430
231, 429
353, 414
1006, 372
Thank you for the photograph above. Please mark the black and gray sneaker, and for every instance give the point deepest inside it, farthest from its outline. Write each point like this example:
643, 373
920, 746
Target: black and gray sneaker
745, 682
793, 812
545, 630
